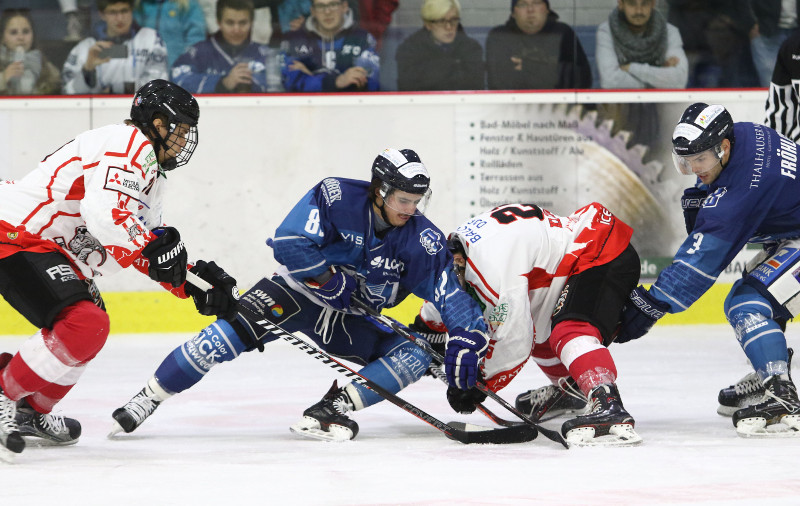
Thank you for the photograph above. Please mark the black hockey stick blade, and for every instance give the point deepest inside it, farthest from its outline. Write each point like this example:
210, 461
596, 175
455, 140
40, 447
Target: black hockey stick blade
401, 329
469, 433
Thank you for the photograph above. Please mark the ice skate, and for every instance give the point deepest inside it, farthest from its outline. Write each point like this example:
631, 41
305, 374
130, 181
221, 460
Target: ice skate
548, 402
327, 419
607, 424
11, 442
777, 415
747, 391
50, 429
135, 411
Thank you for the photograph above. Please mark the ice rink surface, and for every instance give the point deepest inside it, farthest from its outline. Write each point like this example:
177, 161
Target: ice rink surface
226, 441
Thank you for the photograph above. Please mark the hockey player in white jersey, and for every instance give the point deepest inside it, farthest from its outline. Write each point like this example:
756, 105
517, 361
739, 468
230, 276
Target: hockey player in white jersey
92, 207
552, 288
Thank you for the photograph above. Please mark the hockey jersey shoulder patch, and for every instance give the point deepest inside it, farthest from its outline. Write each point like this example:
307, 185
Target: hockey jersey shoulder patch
120, 179
431, 240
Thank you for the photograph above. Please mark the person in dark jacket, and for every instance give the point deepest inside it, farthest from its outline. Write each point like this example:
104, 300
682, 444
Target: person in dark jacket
440, 56
534, 50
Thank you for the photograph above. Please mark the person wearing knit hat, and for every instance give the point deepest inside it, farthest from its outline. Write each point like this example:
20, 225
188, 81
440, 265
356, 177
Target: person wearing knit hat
533, 50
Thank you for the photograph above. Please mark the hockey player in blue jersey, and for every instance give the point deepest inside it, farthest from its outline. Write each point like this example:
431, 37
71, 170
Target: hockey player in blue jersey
747, 191
344, 239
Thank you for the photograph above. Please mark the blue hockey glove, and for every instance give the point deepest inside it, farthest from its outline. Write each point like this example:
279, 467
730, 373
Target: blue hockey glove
168, 257
691, 202
465, 349
640, 313
222, 299
336, 291
464, 401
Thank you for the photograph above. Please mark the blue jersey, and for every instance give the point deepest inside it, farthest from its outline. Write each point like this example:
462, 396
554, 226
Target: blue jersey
756, 198
201, 68
334, 225
328, 59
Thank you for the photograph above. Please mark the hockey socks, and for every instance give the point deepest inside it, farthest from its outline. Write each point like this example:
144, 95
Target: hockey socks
579, 347
192, 360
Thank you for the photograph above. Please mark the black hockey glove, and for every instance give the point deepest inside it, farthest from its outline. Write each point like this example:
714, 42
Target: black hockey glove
167, 255
640, 313
464, 401
691, 202
437, 340
222, 300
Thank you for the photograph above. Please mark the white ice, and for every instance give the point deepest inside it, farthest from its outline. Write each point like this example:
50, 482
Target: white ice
226, 441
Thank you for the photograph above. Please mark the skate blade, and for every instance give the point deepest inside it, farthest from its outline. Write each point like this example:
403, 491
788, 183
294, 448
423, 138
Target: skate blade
788, 427
618, 435
33, 441
727, 410
115, 429
335, 433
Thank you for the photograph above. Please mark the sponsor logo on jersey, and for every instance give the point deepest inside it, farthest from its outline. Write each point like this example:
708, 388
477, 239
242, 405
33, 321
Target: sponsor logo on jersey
499, 314
62, 272
388, 264
276, 310
121, 180
12, 235
356, 239
431, 240
331, 190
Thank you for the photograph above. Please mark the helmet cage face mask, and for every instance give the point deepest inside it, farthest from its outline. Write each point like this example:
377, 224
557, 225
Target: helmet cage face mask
160, 97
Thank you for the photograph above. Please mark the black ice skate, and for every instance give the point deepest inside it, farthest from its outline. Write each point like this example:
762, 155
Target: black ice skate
135, 411
52, 429
745, 392
777, 415
548, 402
327, 419
607, 424
11, 442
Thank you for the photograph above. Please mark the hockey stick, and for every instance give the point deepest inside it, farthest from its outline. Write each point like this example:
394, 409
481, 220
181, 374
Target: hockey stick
507, 435
481, 385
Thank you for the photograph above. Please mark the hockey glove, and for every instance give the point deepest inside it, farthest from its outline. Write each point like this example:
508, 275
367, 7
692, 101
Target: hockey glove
465, 349
691, 202
222, 299
464, 401
437, 340
167, 255
640, 313
336, 291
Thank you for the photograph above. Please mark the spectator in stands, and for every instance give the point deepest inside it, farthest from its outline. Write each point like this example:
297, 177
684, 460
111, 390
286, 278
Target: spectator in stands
121, 59
25, 70
229, 62
440, 56
535, 51
375, 16
264, 19
637, 48
776, 21
716, 38
783, 102
179, 23
329, 53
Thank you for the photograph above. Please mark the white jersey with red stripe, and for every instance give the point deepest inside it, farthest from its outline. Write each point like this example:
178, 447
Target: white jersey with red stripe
519, 258
94, 200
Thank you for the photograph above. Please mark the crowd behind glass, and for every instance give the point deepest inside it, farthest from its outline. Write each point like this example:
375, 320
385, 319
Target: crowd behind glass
52, 47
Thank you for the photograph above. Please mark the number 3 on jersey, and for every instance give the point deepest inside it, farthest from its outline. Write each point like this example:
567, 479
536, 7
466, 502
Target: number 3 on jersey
313, 225
698, 239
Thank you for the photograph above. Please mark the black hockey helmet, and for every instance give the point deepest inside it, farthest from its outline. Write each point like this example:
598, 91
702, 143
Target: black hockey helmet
702, 127
178, 106
401, 170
